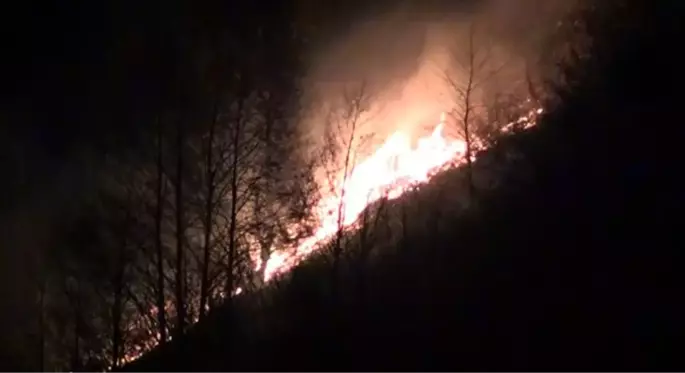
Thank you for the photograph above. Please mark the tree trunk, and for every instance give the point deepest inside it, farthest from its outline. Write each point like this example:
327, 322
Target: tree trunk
161, 312
466, 120
337, 249
209, 206
266, 243
266, 239
351, 118
232, 244
180, 274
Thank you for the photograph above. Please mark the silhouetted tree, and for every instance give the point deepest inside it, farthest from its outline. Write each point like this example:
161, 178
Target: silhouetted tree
344, 139
160, 300
180, 217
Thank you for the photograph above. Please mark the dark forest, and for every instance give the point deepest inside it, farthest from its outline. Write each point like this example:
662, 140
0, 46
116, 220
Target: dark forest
345, 185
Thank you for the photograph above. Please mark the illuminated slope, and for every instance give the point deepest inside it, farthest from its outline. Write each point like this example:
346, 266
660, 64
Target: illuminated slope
388, 172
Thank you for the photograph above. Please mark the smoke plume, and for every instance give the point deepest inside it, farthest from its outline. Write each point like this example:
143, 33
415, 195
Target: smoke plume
402, 56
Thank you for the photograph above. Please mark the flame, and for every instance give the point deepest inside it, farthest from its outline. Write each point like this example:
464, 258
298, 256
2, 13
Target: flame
388, 172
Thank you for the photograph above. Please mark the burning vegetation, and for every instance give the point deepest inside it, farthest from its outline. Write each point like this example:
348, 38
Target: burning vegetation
253, 168
351, 169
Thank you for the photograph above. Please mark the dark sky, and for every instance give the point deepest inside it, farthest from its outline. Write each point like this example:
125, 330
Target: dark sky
70, 62
73, 80
54, 48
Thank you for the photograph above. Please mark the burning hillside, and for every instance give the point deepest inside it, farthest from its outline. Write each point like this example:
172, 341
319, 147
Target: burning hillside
387, 173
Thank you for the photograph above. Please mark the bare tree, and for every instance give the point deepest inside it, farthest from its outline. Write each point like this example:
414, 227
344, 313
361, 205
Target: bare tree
180, 232
343, 143
75, 327
464, 90
159, 252
210, 206
264, 205
118, 286
232, 239
227, 161
120, 211
283, 195
477, 65
245, 194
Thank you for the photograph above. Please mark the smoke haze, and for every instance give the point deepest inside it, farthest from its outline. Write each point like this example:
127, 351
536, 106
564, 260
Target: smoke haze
403, 54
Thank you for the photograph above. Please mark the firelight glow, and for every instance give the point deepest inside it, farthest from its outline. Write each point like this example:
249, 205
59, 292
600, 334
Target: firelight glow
386, 173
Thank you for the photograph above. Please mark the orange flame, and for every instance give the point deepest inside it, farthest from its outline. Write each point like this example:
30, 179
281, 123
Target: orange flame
389, 172
386, 173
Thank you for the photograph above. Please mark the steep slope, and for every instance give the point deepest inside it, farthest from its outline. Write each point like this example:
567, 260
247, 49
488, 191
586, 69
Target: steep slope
573, 263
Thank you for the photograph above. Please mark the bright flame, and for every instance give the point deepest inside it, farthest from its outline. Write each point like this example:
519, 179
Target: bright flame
387, 173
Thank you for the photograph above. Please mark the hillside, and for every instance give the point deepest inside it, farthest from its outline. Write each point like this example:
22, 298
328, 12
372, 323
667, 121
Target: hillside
541, 276
572, 263
163, 161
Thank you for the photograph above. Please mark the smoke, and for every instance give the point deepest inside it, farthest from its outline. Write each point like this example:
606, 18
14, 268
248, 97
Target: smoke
403, 54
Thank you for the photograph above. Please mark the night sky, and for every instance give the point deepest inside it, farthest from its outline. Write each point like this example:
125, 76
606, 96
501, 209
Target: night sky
75, 80
72, 66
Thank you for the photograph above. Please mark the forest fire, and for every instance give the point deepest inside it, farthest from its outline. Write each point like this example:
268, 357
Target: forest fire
244, 169
394, 168
346, 184
386, 173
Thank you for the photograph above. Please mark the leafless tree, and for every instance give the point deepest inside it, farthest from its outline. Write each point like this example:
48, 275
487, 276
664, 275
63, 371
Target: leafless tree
180, 230
159, 252
284, 193
210, 206
474, 78
344, 141
226, 168
463, 84
118, 287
